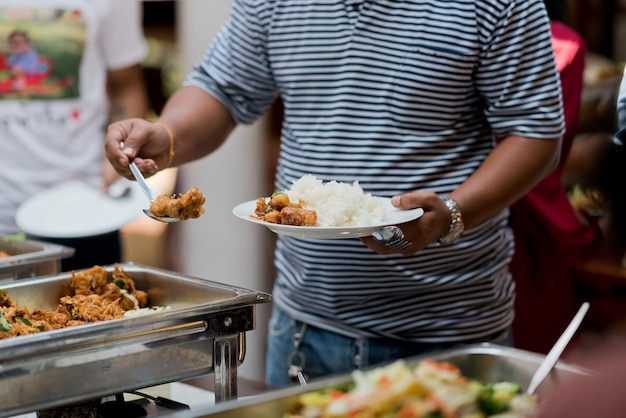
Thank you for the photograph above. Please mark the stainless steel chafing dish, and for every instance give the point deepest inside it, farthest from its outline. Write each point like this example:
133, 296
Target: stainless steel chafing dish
30, 258
484, 362
202, 333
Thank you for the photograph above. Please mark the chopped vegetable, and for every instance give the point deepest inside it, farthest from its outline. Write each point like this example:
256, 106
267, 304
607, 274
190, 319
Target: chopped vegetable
5, 326
24, 321
496, 398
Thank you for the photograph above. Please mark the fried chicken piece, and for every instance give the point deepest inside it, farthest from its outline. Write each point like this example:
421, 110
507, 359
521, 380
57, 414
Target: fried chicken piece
298, 216
280, 210
5, 300
142, 297
51, 320
21, 322
191, 203
275, 203
185, 206
127, 304
262, 207
278, 201
121, 280
273, 216
112, 292
163, 205
91, 308
89, 281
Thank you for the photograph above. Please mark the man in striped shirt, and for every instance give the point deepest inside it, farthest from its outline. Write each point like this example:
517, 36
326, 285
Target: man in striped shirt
406, 98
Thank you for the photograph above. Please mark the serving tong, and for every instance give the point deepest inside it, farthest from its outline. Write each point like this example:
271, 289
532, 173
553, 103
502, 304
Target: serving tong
557, 349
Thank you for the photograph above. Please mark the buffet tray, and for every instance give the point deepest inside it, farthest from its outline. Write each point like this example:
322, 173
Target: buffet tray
30, 258
488, 363
202, 331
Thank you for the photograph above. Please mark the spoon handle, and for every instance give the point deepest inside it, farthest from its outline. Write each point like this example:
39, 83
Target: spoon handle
141, 181
555, 352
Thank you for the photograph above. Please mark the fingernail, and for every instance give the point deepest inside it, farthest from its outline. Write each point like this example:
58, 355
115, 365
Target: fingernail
395, 200
128, 151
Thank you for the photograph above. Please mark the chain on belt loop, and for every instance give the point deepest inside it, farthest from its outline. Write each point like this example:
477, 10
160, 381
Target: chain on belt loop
295, 359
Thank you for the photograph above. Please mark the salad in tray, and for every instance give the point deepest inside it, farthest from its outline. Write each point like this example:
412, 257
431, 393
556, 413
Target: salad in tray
428, 389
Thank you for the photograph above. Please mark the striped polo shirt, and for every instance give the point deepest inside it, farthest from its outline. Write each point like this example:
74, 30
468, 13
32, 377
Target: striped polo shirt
399, 96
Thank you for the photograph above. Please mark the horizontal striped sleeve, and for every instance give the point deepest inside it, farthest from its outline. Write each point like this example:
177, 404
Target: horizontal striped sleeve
516, 74
235, 68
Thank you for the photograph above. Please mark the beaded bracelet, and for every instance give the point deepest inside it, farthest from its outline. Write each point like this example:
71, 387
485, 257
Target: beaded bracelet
171, 136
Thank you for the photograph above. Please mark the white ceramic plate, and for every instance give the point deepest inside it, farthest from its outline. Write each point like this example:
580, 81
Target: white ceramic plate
79, 209
394, 216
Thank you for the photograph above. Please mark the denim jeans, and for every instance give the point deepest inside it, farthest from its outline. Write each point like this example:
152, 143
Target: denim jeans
321, 353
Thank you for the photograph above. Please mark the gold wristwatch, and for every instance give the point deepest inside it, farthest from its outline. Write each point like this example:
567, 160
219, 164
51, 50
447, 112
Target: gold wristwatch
456, 223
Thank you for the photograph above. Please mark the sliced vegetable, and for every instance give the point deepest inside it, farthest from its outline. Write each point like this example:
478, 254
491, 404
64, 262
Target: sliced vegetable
72, 310
495, 398
24, 321
5, 326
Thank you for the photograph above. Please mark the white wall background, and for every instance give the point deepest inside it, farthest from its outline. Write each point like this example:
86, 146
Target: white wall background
218, 246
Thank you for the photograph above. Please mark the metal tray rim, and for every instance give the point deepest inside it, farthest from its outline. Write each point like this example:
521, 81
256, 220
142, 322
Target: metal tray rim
48, 251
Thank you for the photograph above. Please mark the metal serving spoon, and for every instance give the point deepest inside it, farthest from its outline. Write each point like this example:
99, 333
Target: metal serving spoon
148, 192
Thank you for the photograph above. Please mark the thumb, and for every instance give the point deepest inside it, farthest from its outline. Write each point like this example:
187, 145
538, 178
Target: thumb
402, 201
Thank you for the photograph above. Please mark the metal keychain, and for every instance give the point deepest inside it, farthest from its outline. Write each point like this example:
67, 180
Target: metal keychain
295, 359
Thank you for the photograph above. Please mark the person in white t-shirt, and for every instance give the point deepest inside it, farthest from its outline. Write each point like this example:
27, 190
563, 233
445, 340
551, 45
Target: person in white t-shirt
620, 135
52, 128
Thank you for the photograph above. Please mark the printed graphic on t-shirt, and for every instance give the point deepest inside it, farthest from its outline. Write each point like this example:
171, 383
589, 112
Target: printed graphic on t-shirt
40, 52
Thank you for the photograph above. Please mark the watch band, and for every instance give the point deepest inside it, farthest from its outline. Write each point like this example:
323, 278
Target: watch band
456, 223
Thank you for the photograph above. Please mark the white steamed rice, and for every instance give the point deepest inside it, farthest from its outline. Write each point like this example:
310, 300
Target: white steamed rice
337, 204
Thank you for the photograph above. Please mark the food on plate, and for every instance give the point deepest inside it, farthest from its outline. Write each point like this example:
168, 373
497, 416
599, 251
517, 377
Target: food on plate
94, 298
312, 202
588, 199
185, 206
278, 209
427, 389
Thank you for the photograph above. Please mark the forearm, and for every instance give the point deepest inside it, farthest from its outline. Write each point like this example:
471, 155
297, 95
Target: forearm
127, 94
510, 171
198, 121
